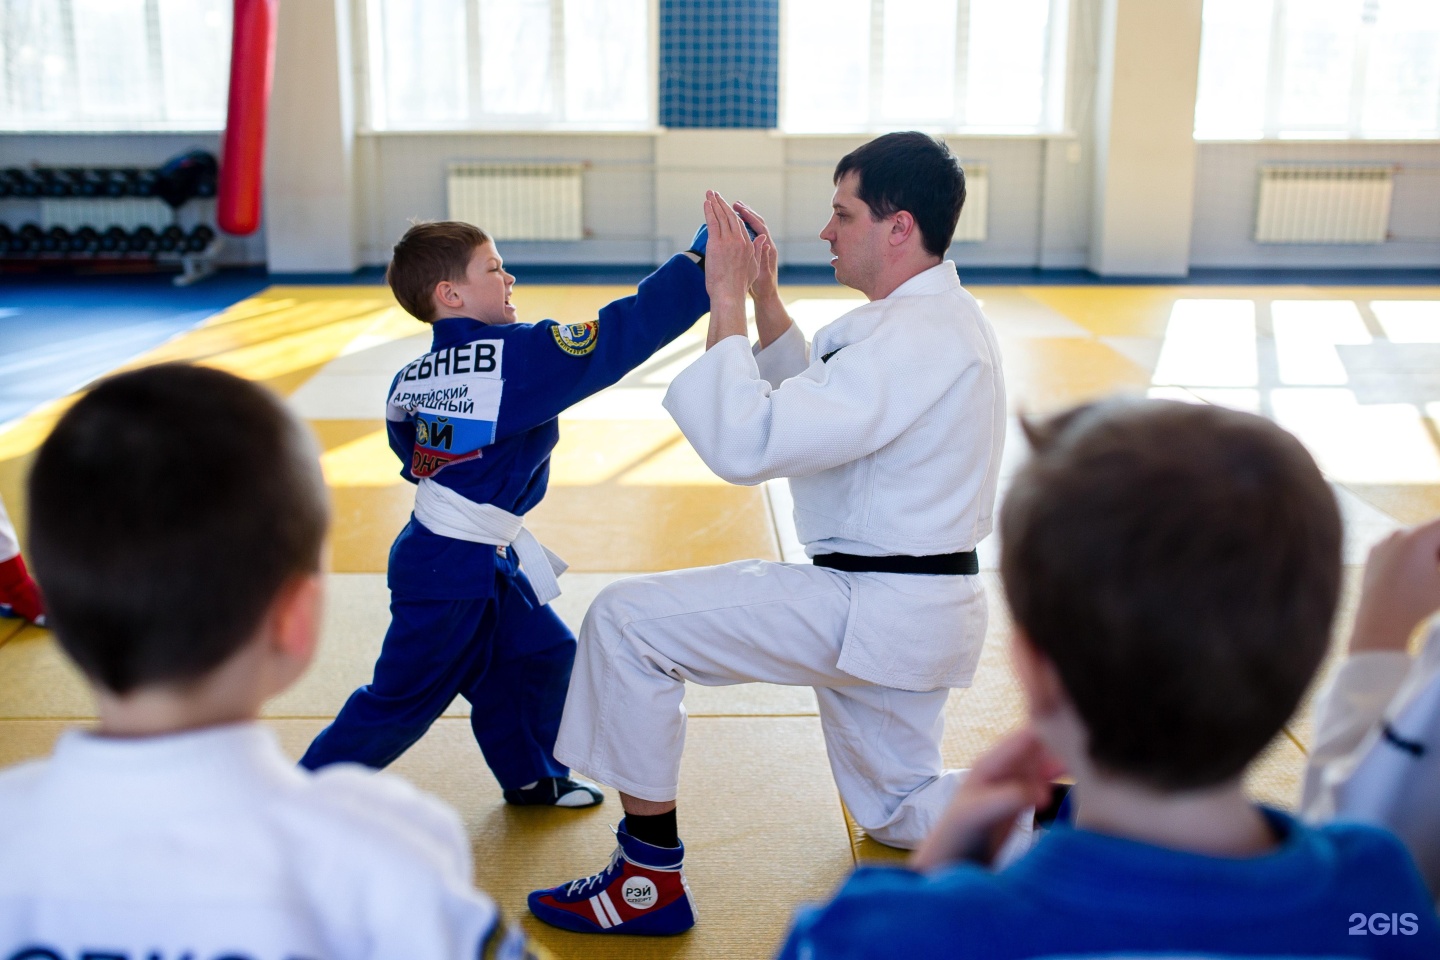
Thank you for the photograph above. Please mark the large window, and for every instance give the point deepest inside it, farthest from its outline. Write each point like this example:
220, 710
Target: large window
472, 64
944, 65
114, 64
1319, 69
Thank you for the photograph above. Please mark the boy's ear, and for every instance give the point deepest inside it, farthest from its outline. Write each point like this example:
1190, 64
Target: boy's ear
295, 619
447, 296
1038, 676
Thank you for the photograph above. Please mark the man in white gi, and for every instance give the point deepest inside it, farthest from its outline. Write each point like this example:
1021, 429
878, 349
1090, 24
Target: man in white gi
889, 426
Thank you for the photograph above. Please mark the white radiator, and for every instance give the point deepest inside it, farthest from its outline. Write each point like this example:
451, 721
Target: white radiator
101, 213
531, 201
974, 216
1312, 203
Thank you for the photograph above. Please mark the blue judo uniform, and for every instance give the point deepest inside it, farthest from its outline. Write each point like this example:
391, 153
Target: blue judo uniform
478, 415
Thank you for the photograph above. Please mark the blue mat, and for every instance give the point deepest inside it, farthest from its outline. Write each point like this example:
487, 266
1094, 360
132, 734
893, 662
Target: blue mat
59, 334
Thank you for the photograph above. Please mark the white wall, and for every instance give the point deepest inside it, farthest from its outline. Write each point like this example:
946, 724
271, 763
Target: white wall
1226, 191
310, 198
1144, 143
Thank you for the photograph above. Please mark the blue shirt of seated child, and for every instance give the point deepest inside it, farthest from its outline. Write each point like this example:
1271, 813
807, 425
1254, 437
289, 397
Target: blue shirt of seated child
1342, 890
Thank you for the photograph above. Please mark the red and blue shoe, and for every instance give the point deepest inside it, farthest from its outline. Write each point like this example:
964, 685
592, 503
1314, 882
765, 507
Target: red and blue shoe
641, 891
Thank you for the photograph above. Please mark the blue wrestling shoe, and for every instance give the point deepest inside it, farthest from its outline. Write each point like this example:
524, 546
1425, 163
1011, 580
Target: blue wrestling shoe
556, 792
641, 891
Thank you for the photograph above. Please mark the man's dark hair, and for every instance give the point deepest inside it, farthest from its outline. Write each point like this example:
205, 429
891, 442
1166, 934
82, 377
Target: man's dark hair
168, 508
428, 253
1180, 566
913, 172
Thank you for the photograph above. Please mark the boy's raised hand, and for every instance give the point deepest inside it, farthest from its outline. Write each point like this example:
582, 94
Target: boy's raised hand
1401, 589
1013, 776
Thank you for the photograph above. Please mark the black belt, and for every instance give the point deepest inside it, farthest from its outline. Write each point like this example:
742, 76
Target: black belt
944, 563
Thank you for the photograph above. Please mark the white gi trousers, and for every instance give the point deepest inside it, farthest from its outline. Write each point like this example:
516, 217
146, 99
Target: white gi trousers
749, 621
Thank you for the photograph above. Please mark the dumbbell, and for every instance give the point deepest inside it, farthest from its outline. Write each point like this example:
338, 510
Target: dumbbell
172, 238
144, 240
199, 239
117, 182
85, 242
55, 240
6, 235
15, 245
55, 183
113, 240
89, 183
29, 236
142, 183
26, 183
9, 182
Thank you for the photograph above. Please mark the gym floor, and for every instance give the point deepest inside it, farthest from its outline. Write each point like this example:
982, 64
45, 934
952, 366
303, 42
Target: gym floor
1353, 371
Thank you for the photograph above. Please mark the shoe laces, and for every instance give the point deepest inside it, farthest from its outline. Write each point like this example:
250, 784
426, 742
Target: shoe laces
578, 887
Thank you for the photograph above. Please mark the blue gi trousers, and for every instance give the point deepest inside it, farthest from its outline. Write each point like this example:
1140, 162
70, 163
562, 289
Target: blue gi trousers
507, 656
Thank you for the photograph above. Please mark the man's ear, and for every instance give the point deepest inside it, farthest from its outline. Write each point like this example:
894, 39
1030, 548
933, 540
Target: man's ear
902, 227
1038, 676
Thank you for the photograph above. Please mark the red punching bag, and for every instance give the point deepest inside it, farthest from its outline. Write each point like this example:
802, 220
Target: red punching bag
242, 152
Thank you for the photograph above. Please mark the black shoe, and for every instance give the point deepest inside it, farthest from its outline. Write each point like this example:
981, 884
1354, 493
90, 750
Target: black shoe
556, 792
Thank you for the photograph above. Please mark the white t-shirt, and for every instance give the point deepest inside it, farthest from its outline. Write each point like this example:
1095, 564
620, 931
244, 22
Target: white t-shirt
212, 844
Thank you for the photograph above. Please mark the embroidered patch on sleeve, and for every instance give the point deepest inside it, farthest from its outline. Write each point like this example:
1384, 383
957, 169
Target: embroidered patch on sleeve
577, 339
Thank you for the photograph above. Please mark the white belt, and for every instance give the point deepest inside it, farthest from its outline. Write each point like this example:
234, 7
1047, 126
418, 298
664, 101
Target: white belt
447, 513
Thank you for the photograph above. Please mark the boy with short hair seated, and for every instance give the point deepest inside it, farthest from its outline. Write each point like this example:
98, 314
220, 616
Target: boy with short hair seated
177, 525
1173, 571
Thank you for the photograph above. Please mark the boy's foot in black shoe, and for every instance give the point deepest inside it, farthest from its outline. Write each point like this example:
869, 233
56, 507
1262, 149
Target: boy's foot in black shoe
556, 792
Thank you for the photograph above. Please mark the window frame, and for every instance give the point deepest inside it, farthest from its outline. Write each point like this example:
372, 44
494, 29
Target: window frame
369, 81
154, 81
1351, 131
1054, 101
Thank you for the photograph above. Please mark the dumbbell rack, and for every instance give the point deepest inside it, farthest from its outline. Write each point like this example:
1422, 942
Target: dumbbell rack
103, 219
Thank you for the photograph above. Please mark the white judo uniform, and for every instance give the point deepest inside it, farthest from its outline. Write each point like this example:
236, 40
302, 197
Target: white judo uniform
889, 427
1376, 750
213, 844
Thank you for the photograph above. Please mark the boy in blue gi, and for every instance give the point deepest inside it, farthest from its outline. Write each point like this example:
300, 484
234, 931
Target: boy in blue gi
1173, 571
474, 423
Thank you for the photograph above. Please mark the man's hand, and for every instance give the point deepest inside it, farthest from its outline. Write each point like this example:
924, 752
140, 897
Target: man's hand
1401, 589
730, 267
767, 282
1012, 777
771, 317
